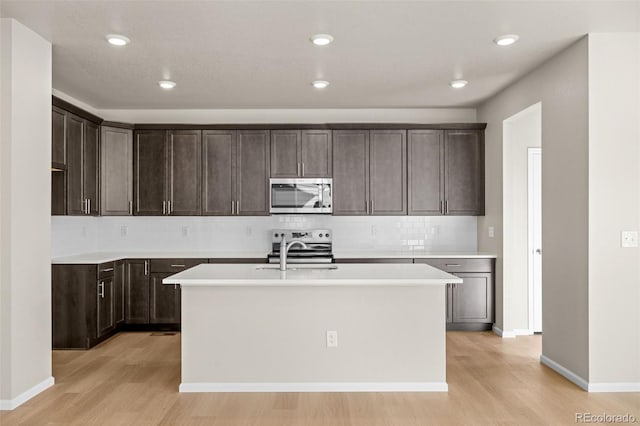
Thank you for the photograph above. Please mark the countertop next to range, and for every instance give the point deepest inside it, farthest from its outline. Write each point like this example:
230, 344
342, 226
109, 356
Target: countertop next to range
102, 257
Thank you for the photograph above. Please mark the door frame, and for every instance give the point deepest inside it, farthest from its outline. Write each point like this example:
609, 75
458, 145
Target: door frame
531, 152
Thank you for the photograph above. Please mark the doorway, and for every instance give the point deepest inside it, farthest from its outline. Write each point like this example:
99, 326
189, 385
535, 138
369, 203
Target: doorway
522, 140
535, 238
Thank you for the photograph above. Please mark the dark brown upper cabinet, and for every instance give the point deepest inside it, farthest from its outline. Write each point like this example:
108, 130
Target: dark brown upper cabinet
350, 172
218, 172
58, 134
369, 172
58, 161
235, 172
167, 172
252, 173
116, 171
387, 172
446, 172
301, 153
464, 172
83, 138
426, 172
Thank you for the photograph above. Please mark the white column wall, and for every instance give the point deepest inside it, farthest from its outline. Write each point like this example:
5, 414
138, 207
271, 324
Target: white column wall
25, 223
614, 206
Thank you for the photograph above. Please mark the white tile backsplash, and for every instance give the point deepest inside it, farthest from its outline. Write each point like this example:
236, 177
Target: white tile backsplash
76, 234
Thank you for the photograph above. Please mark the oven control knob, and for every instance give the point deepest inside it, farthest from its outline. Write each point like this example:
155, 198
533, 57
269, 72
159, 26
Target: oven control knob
326, 235
276, 235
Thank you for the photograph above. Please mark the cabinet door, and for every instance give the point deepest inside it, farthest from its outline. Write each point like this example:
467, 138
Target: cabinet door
218, 172
58, 134
73, 306
105, 295
119, 286
164, 300
116, 171
75, 152
316, 153
252, 173
285, 153
426, 172
464, 172
473, 299
150, 172
185, 173
137, 292
388, 172
350, 172
91, 166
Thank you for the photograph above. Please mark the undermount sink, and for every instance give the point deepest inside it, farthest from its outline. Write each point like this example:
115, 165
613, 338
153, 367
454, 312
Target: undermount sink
298, 266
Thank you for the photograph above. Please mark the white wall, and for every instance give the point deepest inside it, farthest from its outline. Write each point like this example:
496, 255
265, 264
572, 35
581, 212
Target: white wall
227, 116
25, 202
614, 206
77, 234
561, 85
520, 132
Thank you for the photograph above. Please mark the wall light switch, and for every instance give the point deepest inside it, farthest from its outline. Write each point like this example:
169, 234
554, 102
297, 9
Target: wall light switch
185, 231
629, 239
249, 231
491, 231
124, 231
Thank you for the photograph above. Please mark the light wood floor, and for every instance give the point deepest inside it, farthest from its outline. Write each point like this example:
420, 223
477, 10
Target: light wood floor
132, 379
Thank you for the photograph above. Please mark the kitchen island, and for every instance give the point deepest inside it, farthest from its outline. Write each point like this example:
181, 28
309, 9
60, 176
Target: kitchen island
254, 328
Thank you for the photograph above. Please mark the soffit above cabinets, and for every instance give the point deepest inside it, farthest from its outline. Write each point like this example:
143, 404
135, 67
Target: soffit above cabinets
257, 54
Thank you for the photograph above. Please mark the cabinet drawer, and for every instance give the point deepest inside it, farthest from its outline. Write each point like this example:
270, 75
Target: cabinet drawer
460, 265
238, 260
374, 260
106, 270
173, 265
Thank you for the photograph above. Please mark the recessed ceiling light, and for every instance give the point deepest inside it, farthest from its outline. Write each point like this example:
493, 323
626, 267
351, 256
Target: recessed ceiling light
321, 39
458, 84
506, 40
117, 40
320, 84
167, 84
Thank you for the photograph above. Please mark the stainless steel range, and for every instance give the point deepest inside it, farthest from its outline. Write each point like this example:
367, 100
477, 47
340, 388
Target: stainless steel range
319, 244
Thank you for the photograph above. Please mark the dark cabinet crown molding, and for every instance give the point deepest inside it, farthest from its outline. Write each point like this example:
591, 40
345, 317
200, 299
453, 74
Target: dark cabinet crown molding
61, 103
315, 126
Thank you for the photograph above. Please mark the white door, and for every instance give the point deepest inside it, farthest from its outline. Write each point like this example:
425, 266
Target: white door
535, 239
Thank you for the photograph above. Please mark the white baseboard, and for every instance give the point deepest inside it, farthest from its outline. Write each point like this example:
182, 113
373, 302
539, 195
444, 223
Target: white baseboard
512, 333
565, 372
10, 404
317, 387
614, 387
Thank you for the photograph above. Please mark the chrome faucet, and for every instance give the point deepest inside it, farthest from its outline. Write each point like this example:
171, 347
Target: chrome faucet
284, 250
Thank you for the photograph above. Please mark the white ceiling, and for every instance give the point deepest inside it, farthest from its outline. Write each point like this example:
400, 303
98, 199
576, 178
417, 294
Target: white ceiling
256, 54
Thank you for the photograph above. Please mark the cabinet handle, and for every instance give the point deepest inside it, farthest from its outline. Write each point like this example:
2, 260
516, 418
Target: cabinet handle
237, 207
169, 207
131, 208
446, 207
441, 207
164, 207
371, 206
101, 290
89, 206
298, 169
178, 266
146, 267
84, 206
107, 270
302, 169
452, 264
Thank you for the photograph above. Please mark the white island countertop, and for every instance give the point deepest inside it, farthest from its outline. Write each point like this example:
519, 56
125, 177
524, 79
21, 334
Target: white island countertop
343, 274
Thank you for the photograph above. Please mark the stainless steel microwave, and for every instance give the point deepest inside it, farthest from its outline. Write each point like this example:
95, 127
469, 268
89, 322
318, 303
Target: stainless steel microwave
301, 195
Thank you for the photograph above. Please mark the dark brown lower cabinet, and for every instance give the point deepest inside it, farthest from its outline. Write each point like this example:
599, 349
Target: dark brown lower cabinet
470, 305
82, 305
164, 300
137, 292
105, 306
